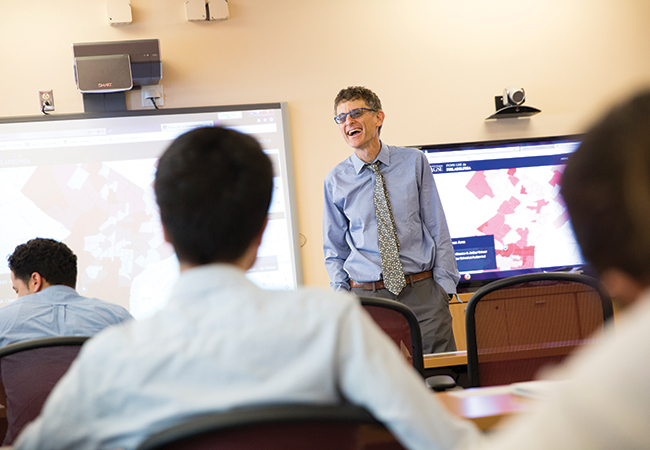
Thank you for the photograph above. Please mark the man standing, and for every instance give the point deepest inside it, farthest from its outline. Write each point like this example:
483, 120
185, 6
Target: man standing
44, 275
221, 342
384, 229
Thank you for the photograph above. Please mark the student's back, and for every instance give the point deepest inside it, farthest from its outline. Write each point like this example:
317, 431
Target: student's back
57, 311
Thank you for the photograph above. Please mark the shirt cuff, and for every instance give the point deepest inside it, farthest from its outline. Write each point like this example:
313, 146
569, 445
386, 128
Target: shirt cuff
340, 287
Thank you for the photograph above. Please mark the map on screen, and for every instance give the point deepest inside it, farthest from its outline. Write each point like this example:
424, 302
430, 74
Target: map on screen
503, 206
88, 181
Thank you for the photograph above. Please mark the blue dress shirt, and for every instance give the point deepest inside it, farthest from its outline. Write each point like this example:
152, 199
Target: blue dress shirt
57, 311
350, 240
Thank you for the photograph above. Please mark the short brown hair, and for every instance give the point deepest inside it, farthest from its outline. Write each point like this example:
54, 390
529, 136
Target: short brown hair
358, 93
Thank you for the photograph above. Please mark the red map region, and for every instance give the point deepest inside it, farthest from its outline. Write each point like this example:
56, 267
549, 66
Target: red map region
555, 179
540, 204
479, 186
511, 176
521, 249
526, 252
509, 206
496, 226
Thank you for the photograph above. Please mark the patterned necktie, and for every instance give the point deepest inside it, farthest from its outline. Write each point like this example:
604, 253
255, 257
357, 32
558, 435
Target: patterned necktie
391, 266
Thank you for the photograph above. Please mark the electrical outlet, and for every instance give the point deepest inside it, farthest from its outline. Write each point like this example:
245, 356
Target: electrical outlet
154, 92
46, 99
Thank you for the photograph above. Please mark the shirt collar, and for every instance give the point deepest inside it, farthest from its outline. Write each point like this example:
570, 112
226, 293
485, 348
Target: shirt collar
383, 157
53, 293
206, 277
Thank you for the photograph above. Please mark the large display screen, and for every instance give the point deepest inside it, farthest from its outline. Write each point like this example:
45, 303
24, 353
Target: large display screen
503, 206
86, 180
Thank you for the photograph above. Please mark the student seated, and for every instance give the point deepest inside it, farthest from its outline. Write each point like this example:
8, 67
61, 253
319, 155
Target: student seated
605, 403
44, 275
222, 342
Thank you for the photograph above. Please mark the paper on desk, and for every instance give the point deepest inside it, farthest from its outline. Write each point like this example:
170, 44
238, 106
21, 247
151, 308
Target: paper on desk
489, 390
530, 389
535, 389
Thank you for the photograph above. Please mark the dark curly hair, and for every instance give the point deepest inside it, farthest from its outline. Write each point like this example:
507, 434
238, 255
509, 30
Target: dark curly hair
213, 187
52, 260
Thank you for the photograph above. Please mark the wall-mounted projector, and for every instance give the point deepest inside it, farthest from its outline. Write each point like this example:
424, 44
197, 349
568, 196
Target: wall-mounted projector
105, 67
100, 74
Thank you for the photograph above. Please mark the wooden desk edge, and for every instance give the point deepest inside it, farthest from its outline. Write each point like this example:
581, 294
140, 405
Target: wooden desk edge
435, 360
455, 406
486, 410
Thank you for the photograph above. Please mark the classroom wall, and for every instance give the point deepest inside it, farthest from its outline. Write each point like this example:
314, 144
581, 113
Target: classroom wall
436, 64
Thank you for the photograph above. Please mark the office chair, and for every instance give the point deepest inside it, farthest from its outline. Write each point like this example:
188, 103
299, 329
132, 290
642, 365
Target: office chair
28, 372
277, 427
517, 325
399, 322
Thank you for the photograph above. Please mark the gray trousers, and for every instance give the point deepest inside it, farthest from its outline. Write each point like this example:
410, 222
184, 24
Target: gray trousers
430, 303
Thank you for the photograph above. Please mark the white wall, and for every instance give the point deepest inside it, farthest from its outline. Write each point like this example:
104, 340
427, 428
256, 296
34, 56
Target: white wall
436, 64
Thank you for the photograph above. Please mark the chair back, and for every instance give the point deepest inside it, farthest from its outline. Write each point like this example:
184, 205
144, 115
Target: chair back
400, 323
277, 427
28, 372
516, 326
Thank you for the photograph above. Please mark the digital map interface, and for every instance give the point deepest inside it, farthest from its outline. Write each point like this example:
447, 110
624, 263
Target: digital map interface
505, 212
92, 188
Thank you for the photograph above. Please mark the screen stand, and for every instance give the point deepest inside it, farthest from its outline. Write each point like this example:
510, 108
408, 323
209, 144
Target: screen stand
113, 101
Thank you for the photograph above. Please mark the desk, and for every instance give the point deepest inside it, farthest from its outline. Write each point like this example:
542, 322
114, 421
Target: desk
446, 359
485, 406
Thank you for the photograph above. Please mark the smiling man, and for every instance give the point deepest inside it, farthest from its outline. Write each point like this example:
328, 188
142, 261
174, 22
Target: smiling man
411, 238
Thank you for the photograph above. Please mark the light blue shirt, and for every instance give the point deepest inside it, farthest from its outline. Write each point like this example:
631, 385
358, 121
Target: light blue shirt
57, 311
222, 342
350, 241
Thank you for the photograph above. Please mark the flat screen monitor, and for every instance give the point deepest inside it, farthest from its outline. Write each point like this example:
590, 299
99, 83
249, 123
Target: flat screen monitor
503, 206
86, 180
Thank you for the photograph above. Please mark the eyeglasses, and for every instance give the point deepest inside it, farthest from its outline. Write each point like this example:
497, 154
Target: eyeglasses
355, 114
